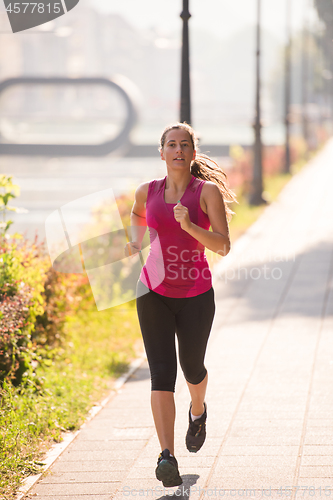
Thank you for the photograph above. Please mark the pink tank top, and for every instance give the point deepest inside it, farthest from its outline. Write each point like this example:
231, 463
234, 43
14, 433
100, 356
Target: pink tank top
176, 265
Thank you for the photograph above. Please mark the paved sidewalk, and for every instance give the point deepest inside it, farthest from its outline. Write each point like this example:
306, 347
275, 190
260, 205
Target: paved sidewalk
270, 362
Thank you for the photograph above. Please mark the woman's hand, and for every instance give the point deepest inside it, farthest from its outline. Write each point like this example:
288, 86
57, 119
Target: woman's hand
182, 216
132, 248
218, 239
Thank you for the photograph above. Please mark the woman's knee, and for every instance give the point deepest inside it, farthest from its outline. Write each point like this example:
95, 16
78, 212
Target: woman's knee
163, 377
194, 375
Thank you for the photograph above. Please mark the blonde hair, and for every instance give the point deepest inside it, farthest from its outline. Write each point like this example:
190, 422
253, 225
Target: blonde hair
204, 167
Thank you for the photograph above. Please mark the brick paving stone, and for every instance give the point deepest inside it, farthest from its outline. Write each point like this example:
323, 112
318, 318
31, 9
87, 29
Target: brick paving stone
74, 456
320, 424
255, 461
108, 445
260, 450
76, 489
273, 415
117, 434
318, 412
252, 481
265, 431
85, 496
83, 477
314, 460
254, 477
312, 483
91, 466
316, 439
317, 471
264, 441
314, 450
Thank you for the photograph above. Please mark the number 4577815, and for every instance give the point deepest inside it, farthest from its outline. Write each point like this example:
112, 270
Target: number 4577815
31, 7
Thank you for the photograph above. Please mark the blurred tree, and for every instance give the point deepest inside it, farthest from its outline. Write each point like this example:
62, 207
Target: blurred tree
325, 13
315, 84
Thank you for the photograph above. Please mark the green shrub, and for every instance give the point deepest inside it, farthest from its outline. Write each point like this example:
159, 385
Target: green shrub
34, 303
21, 285
35, 300
15, 341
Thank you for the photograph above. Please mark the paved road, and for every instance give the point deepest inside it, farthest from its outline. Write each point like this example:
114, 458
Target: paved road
270, 363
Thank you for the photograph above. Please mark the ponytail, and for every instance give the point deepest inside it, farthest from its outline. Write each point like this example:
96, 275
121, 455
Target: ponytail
201, 168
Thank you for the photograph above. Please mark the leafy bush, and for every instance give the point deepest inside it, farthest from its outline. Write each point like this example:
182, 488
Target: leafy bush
62, 294
241, 172
35, 300
34, 303
14, 341
21, 285
8, 190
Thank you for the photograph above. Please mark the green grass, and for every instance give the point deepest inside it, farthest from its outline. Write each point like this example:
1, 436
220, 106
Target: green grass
99, 347
102, 342
30, 418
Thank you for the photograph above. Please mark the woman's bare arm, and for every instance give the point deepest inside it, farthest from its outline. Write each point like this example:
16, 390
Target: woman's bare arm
218, 239
138, 219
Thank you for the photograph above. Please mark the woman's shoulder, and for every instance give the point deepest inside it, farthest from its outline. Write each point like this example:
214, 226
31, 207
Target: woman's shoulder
141, 193
210, 195
209, 188
144, 188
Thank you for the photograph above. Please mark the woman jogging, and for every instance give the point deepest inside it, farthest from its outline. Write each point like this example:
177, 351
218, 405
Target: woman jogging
175, 294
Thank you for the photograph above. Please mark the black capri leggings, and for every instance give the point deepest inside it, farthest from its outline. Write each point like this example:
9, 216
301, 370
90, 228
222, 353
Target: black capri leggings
160, 318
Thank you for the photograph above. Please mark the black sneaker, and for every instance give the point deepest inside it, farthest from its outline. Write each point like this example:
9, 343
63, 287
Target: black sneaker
196, 433
167, 470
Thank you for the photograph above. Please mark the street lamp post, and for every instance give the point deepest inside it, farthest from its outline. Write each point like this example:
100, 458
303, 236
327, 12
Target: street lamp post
287, 87
185, 95
329, 73
305, 75
257, 183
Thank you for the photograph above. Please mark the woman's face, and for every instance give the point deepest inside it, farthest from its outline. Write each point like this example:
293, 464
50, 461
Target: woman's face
178, 151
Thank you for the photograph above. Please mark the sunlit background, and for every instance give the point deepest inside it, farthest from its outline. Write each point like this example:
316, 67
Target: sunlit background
140, 43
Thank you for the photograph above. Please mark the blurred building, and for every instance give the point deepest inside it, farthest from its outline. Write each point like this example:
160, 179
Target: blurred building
85, 42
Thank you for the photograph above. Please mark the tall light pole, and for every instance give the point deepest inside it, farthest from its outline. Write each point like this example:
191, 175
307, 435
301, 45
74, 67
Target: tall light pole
287, 87
305, 75
257, 184
322, 93
185, 93
329, 78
